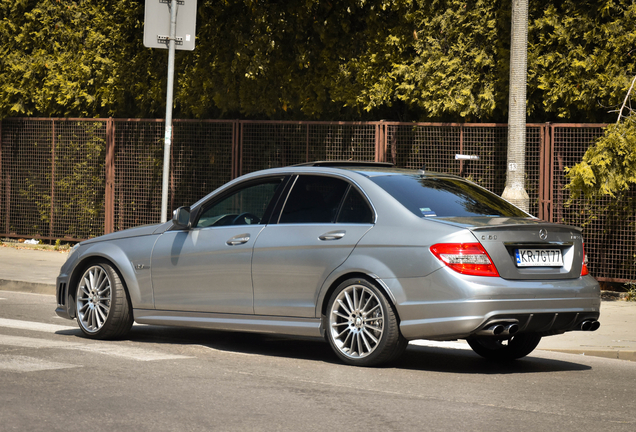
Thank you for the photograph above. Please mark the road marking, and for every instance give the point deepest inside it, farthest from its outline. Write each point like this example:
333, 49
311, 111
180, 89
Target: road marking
115, 350
27, 342
15, 363
34, 326
436, 344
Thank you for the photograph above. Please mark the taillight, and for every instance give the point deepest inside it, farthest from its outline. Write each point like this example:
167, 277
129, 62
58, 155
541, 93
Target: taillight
465, 258
584, 270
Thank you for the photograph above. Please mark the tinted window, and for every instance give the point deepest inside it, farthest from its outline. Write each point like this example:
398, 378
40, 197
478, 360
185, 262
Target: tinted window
355, 208
314, 199
445, 197
245, 206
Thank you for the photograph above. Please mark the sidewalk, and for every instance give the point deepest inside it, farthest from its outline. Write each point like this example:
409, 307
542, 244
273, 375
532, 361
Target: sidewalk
29, 270
35, 271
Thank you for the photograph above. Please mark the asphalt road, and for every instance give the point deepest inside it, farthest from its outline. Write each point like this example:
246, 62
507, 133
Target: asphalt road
167, 379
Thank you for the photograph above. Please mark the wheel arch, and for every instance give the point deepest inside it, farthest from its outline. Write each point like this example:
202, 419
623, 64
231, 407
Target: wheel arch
326, 293
123, 267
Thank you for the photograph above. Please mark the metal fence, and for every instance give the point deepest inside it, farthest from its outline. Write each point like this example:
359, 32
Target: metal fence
73, 179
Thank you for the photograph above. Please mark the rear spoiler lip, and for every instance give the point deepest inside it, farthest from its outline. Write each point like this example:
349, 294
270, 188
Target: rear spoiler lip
528, 223
544, 224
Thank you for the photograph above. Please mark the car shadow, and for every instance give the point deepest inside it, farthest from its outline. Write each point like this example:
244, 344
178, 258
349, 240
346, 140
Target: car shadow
432, 359
460, 361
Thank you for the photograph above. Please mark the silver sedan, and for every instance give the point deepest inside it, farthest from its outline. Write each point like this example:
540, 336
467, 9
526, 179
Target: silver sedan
363, 254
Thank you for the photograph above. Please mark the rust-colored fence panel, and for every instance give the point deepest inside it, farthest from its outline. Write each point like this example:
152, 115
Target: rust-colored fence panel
434, 146
138, 172
201, 161
52, 178
276, 144
79, 178
610, 235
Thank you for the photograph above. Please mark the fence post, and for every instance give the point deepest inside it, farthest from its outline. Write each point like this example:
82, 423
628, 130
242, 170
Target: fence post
7, 193
1, 178
461, 149
171, 172
545, 174
380, 142
239, 150
109, 198
553, 157
307, 145
52, 214
542, 172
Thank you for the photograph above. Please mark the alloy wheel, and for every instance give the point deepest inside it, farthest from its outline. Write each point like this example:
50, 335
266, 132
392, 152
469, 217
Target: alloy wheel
94, 299
356, 321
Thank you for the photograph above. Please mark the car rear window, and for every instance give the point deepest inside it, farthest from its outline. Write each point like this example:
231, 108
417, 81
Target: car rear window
445, 197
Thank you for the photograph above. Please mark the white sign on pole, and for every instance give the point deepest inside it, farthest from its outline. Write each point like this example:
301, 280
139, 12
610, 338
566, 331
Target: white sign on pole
169, 24
157, 24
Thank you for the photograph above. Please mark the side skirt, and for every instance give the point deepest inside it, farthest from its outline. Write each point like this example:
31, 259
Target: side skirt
249, 323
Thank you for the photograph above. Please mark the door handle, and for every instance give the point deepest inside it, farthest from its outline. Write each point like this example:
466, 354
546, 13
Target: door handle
237, 240
332, 235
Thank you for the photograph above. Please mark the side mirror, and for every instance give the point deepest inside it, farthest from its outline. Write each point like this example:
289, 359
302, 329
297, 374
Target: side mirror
181, 218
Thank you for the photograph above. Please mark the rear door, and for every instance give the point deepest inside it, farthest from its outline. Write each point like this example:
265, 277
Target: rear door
322, 220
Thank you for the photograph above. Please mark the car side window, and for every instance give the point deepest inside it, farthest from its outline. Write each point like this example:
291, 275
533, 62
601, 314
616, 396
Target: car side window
355, 208
314, 199
246, 206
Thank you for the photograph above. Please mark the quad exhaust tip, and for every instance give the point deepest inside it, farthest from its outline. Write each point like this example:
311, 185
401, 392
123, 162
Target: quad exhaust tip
499, 329
589, 325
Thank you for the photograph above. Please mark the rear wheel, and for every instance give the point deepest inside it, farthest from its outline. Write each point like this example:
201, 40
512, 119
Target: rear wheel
101, 301
362, 325
505, 350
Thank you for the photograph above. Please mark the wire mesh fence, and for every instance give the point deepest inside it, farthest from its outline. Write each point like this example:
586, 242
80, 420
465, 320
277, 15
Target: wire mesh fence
53, 178
609, 224
80, 178
434, 147
276, 144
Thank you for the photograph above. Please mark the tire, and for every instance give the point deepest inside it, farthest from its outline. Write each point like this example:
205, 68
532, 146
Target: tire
101, 303
362, 326
505, 350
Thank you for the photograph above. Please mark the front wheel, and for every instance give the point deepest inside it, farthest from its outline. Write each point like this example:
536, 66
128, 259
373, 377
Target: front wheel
362, 327
101, 301
505, 350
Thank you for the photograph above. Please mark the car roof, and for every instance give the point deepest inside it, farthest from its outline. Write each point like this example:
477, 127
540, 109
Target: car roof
370, 169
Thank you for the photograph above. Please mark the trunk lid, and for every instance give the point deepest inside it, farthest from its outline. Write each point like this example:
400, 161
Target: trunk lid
526, 248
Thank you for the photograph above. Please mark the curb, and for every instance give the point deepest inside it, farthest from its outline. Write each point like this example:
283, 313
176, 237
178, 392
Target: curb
613, 295
628, 355
27, 287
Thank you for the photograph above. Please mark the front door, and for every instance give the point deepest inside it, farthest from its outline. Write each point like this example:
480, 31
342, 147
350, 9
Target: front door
208, 267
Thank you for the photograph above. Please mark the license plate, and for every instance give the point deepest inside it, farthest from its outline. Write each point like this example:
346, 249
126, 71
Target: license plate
539, 258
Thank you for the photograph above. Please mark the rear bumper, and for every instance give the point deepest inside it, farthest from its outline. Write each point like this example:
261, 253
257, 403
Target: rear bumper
446, 305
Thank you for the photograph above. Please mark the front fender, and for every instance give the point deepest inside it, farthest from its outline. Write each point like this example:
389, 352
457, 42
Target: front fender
131, 257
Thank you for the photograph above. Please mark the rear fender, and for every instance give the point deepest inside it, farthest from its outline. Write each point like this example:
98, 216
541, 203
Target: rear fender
356, 267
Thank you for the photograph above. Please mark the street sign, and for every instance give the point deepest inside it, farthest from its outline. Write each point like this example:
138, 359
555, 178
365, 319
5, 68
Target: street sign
169, 24
157, 24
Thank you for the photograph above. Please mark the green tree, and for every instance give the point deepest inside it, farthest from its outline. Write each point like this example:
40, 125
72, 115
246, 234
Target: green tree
608, 167
581, 58
314, 59
63, 58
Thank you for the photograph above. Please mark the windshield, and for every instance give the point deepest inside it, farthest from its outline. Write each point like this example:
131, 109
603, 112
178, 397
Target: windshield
445, 197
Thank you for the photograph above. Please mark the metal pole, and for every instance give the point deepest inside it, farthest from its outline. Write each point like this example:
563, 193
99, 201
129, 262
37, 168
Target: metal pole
168, 131
515, 191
